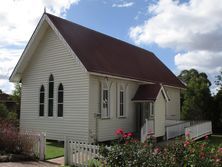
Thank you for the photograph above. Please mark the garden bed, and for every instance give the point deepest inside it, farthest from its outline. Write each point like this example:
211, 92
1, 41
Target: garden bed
16, 157
182, 152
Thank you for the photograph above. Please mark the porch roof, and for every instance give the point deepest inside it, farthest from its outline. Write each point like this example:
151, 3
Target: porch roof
147, 92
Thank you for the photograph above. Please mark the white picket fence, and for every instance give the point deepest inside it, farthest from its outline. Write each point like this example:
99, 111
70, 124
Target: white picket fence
177, 129
39, 142
79, 153
199, 130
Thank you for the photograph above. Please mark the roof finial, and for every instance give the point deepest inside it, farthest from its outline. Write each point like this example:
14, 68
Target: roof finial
44, 9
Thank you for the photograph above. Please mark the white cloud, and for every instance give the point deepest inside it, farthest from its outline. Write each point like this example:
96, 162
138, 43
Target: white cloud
193, 29
210, 62
123, 4
18, 19
8, 60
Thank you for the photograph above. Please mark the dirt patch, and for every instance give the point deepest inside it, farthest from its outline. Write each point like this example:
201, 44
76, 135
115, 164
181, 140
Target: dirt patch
28, 164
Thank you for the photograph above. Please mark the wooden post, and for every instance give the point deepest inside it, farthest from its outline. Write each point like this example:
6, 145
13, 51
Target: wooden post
66, 150
70, 152
42, 144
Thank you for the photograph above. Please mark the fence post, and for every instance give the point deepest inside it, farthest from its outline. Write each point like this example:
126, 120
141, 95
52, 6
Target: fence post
70, 153
66, 151
42, 141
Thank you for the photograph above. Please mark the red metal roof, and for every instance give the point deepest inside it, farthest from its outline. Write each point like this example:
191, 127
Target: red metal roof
147, 92
103, 54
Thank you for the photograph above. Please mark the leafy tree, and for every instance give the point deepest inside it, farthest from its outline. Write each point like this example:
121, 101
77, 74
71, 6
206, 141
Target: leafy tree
217, 117
218, 81
196, 99
16, 96
3, 111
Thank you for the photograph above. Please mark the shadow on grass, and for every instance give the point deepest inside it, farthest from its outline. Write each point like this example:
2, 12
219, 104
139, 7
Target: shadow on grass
54, 149
55, 143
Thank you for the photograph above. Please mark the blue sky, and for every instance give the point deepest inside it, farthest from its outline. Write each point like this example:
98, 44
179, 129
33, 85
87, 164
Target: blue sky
183, 34
116, 21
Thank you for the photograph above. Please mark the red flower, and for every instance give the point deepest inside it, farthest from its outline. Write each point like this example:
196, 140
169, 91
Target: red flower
125, 135
186, 143
119, 132
156, 150
187, 133
206, 137
130, 134
220, 150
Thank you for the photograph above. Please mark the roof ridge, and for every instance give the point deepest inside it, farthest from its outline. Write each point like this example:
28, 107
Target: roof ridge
100, 52
101, 33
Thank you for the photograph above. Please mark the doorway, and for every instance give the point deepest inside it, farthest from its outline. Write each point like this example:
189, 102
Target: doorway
144, 110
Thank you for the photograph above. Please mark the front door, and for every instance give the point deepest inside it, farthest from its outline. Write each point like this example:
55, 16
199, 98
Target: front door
144, 111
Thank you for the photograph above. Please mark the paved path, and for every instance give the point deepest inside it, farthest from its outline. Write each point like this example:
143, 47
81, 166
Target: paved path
29, 164
59, 160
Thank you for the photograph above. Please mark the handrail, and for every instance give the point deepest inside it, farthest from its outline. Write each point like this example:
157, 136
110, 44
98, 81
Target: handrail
197, 123
176, 129
199, 130
147, 129
178, 123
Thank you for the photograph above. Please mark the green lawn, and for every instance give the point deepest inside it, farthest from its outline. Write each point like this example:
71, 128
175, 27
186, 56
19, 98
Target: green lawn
54, 149
215, 140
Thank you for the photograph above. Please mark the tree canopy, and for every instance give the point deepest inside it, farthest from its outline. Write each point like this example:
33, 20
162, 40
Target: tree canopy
218, 81
16, 95
217, 117
196, 99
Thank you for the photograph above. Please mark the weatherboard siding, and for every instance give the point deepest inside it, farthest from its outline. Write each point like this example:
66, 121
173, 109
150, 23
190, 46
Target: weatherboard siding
173, 106
104, 129
53, 57
159, 111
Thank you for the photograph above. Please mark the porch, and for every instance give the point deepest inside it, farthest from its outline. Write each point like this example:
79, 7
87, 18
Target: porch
158, 114
175, 128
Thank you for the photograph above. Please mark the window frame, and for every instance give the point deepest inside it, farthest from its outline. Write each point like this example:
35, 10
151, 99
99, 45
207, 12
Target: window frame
41, 103
152, 114
51, 99
121, 101
58, 101
105, 114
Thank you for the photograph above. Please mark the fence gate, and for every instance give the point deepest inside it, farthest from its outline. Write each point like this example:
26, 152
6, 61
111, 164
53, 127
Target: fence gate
39, 144
79, 153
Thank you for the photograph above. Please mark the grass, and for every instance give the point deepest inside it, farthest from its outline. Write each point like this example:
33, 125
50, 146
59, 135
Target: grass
215, 140
54, 149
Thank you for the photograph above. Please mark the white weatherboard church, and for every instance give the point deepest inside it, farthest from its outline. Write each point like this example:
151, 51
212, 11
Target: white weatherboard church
83, 84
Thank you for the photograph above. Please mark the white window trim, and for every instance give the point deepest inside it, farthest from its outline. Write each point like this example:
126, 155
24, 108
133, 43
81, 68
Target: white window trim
51, 98
124, 100
102, 111
152, 114
44, 105
60, 103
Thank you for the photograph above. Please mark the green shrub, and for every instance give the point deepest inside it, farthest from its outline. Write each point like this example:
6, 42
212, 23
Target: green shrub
6, 115
13, 142
94, 163
3, 111
186, 153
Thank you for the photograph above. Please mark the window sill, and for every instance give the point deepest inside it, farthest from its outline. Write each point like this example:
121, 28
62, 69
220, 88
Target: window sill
122, 117
60, 117
105, 118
